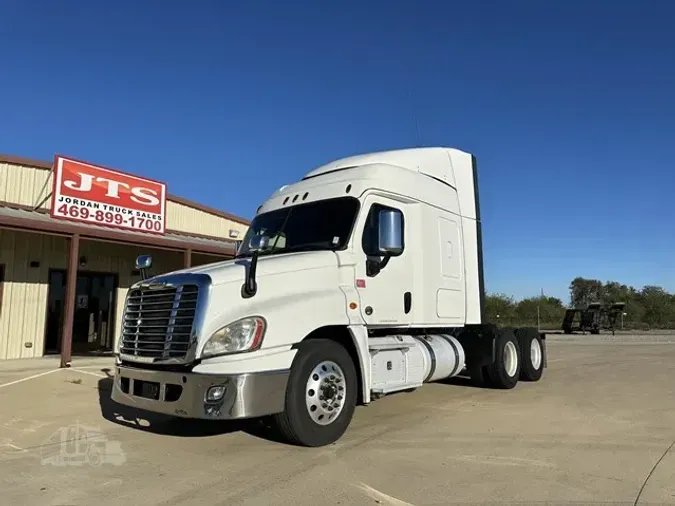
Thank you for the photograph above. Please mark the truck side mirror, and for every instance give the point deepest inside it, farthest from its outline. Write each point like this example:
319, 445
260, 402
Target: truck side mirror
143, 263
257, 244
390, 232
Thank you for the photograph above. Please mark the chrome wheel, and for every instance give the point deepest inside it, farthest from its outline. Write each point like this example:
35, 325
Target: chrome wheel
510, 358
535, 353
325, 392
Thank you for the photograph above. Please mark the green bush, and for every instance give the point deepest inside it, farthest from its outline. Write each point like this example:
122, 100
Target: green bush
648, 308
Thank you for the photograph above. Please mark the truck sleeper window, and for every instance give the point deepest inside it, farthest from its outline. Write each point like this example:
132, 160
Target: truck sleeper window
321, 225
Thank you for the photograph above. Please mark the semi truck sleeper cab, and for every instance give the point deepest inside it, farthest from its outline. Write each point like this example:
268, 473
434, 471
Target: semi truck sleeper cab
362, 279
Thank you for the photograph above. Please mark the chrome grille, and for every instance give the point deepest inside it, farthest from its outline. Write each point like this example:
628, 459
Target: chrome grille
158, 322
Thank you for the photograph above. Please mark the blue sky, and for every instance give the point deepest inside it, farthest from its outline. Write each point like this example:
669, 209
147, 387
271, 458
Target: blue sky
568, 106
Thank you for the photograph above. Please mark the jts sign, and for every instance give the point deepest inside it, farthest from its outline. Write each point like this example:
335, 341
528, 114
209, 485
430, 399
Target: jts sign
100, 196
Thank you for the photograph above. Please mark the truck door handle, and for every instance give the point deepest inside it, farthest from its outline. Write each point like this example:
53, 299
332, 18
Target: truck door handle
407, 302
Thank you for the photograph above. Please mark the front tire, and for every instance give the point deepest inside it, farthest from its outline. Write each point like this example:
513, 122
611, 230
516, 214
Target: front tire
320, 396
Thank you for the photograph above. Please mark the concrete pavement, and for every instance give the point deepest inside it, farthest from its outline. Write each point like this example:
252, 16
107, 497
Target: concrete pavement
591, 431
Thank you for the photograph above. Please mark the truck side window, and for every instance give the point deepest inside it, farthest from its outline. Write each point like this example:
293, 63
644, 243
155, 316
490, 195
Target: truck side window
371, 230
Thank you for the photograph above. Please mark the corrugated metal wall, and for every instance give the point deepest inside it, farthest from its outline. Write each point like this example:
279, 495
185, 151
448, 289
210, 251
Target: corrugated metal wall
26, 186
191, 220
25, 289
23, 185
24, 294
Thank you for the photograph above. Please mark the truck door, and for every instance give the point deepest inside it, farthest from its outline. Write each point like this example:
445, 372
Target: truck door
384, 282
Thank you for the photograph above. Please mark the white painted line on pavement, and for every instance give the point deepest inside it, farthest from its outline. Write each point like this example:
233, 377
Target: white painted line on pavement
88, 372
99, 367
13, 446
28, 378
378, 496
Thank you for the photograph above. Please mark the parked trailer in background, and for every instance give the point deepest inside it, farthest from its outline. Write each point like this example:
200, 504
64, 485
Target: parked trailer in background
362, 279
593, 318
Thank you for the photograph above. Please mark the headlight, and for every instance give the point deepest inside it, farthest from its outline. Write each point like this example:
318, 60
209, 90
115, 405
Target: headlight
243, 335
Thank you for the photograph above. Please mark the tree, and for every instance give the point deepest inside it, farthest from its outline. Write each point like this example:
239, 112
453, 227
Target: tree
650, 307
543, 311
585, 291
658, 307
616, 292
501, 309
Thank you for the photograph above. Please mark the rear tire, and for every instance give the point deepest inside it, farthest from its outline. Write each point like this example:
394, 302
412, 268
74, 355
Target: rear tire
532, 355
320, 396
505, 370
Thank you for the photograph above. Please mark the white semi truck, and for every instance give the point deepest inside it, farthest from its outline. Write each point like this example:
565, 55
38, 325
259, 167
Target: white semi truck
362, 279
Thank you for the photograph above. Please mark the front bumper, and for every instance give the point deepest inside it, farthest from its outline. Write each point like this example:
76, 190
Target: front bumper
180, 394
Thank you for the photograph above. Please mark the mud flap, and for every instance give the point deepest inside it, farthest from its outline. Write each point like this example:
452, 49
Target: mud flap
543, 348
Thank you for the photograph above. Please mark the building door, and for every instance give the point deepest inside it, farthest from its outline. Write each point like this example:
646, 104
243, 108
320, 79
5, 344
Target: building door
93, 321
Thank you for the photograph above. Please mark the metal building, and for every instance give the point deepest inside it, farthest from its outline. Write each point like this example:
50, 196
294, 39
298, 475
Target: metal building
64, 278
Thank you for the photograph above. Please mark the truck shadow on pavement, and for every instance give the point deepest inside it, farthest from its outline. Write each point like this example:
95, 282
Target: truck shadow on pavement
463, 381
167, 425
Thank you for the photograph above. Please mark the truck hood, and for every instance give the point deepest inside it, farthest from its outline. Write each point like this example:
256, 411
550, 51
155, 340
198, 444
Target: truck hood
235, 270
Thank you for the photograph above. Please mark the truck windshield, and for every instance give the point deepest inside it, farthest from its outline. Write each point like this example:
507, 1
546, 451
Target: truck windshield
321, 225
